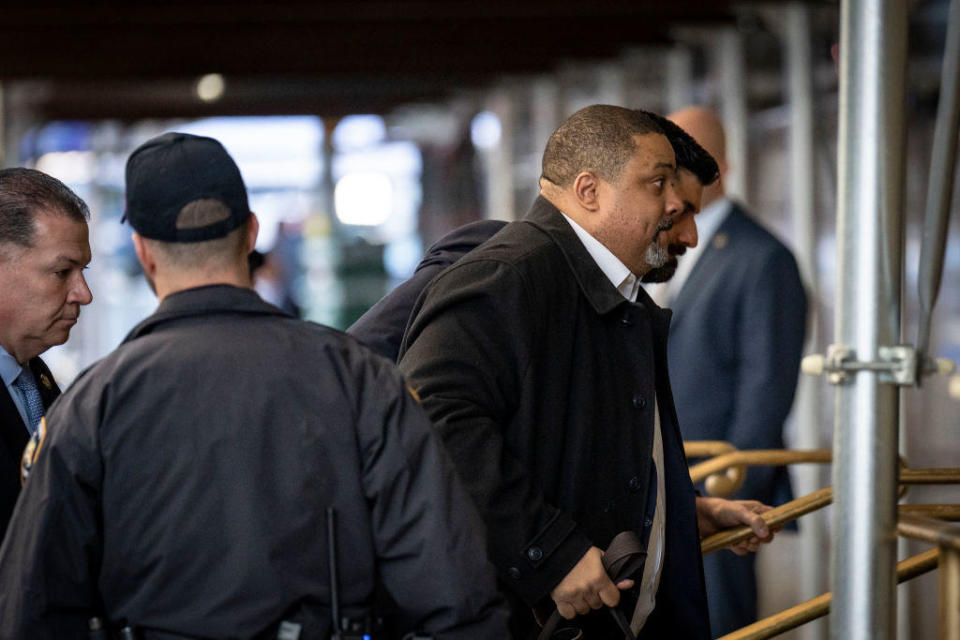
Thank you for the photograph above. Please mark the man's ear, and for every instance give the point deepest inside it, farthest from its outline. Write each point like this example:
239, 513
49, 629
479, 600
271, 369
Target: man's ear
724, 168
586, 190
144, 255
253, 229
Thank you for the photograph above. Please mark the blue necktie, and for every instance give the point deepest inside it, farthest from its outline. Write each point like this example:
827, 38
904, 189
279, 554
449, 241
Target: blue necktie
31, 395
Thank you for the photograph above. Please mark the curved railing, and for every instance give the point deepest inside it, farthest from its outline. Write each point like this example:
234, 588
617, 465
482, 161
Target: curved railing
725, 472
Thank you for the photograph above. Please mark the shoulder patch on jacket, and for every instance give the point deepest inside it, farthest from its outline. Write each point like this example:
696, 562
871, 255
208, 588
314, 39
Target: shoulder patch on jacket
32, 450
413, 393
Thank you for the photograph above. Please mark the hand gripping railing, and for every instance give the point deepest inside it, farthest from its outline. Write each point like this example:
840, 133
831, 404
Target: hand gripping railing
725, 473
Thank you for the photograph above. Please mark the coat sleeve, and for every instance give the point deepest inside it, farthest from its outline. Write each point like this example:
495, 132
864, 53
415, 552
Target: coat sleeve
50, 557
429, 540
381, 327
773, 316
468, 353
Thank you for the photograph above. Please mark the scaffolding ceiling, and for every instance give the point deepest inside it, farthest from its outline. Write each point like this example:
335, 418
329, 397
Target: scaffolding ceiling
124, 60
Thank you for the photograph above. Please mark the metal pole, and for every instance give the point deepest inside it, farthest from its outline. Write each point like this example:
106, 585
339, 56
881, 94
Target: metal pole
545, 111
949, 593
733, 110
611, 85
679, 78
500, 159
3, 130
803, 196
869, 230
940, 187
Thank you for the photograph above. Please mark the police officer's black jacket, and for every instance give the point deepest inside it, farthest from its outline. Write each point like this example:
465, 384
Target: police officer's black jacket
184, 481
540, 378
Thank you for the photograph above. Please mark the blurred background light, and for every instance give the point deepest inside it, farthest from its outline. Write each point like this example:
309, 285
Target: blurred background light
359, 132
210, 87
70, 167
363, 198
485, 130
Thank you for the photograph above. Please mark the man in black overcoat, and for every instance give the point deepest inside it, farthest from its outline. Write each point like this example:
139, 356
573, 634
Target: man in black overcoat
543, 367
43, 252
381, 328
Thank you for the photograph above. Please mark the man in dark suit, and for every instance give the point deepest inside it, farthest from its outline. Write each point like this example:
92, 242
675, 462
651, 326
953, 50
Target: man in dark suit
739, 316
543, 368
43, 252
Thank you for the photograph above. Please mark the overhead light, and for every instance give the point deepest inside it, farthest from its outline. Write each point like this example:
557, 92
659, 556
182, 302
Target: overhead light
210, 87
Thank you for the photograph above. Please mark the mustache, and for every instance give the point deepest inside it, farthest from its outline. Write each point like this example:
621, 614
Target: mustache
663, 225
676, 249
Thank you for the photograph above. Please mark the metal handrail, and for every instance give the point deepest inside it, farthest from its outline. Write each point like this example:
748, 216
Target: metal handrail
930, 476
821, 498
725, 473
944, 534
774, 518
820, 606
938, 511
913, 522
758, 458
947, 538
706, 448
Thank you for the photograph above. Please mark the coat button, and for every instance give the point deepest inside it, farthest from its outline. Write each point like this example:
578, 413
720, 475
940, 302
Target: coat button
639, 402
514, 573
626, 320
634, 484
648, 523
535, 554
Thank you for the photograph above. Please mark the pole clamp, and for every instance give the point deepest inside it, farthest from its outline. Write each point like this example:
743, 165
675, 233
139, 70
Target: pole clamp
896, 365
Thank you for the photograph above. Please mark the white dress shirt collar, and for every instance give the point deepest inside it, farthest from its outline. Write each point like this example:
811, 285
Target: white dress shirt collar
9, 367
710, 219
9, 370
619, 275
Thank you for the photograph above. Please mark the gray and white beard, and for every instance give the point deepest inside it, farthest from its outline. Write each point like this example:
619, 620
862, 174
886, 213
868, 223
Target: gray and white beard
655, 255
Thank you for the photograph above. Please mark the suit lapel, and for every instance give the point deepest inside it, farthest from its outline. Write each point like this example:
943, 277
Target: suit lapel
45, 382
706, 267
13, 433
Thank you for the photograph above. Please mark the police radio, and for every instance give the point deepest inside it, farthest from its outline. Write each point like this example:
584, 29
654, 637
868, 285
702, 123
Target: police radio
345, 628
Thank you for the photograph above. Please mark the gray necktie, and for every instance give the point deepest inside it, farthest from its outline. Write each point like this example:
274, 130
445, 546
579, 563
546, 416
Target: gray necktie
31, 396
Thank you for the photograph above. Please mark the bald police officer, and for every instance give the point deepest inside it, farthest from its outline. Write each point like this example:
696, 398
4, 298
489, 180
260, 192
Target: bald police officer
184, 482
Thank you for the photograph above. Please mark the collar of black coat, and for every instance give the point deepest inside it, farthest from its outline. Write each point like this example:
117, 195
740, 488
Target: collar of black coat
596, 287
199, 301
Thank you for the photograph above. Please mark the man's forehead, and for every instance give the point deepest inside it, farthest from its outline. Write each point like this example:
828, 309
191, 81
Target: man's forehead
61, 238
654, 150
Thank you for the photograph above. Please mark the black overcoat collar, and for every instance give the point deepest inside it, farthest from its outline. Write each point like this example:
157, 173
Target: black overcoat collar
593, 282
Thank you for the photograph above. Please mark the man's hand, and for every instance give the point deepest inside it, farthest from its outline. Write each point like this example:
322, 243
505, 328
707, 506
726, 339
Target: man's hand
716, 514
587, 587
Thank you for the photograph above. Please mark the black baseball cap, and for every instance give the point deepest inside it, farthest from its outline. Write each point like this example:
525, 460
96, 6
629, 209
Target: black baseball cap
168, 172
